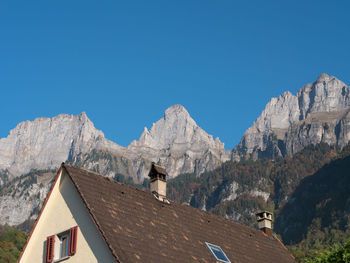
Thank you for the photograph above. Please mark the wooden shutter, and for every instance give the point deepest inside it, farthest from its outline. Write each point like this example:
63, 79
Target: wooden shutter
50, 248
73, 233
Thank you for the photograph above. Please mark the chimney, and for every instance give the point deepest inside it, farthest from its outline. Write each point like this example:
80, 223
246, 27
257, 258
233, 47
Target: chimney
158, 176
264, 219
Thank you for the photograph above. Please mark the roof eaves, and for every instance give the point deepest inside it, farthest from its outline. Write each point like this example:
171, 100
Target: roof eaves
280, 242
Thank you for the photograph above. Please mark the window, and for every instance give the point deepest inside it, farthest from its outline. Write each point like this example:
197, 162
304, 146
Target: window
64, 244
218, 253
61, 245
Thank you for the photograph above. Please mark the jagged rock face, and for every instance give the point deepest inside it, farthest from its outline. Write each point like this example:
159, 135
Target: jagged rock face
175, 141
178, 143
41, 145
318, 113
112, 164
327, 94
46, 142
23, 198
177, 131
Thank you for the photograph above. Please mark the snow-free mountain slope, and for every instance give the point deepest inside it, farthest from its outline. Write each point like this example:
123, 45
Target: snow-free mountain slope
46, 142
318, 113
177, 131
36, 148
178, 143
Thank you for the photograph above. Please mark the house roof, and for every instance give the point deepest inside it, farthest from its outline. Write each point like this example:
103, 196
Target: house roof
139, 228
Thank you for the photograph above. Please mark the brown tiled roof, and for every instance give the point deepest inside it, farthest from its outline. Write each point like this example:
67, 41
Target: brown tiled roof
139, 228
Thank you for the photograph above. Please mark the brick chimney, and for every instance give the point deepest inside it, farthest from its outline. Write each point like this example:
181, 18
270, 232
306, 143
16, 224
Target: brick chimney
264, 219
158, 176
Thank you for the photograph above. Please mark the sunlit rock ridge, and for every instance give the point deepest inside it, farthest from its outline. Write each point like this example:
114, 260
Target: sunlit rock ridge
46, 142
30, 156
178, 143
319, 112
175, 141
33, 151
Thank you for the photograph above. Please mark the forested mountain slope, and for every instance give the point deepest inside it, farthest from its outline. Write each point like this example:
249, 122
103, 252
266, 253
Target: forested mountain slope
308, 193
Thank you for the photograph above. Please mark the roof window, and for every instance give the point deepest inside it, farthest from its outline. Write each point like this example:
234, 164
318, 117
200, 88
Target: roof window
218, 253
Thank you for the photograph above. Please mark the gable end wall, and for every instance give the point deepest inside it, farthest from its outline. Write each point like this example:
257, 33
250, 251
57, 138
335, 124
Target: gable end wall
63, 210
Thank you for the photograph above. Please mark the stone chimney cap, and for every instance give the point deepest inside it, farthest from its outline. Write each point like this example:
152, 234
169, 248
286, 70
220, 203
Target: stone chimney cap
264, 219
264, 215
157, 169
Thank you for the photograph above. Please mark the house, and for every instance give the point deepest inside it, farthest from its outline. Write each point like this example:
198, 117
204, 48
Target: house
90, 218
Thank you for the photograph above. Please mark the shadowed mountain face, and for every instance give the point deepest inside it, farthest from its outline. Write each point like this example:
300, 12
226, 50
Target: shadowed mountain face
319, 113
308, 193
320, 203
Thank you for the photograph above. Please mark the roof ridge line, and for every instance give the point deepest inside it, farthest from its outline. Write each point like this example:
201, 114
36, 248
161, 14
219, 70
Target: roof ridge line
105, 177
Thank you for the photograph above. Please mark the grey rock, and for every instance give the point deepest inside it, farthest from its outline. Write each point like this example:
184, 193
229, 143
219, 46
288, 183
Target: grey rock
318, 113
46, 142
178, 143
22, 199
175, 141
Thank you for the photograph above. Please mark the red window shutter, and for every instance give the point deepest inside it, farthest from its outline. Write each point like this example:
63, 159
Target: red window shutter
50, 248
73, 233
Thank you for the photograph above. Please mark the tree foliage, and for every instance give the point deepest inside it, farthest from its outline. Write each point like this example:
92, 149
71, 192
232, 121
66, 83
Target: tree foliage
11, 244
338, 254
308, 194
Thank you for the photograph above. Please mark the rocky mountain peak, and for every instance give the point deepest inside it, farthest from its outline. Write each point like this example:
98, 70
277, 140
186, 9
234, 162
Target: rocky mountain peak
46, 142
175, 141
83, 117
279, 113
326, 94
179, 144
176, 111
176, 130
323, 77
321, 101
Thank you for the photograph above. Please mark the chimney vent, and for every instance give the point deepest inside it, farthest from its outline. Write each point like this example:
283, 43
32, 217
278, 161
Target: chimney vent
158, 176
264, 219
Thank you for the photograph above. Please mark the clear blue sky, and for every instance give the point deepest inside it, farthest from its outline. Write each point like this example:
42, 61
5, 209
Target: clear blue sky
125, 62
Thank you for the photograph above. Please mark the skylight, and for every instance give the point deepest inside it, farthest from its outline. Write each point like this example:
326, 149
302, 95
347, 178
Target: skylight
218, 253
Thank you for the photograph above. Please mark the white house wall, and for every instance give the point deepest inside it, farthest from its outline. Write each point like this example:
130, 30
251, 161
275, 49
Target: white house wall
64, 210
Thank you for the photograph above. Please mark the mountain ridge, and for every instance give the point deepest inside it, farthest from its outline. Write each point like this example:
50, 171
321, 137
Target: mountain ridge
33, 151
175, 141
322, 105
308, 194
45, 142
